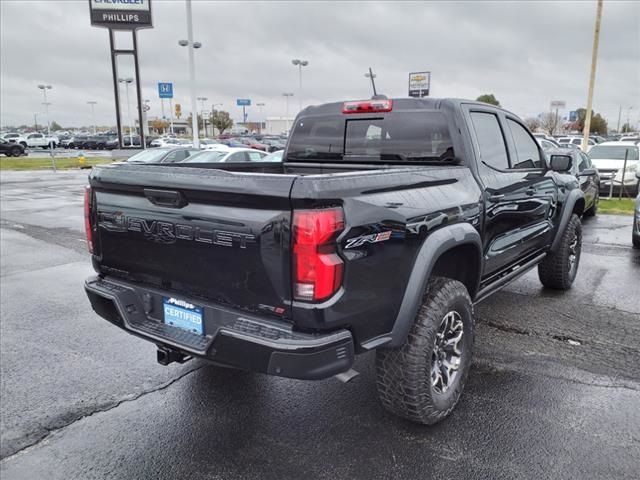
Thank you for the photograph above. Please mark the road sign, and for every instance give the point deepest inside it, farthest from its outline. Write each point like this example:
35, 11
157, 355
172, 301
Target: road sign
121, 15
573, 116
558, 105
165, 90
419, 84
243, 102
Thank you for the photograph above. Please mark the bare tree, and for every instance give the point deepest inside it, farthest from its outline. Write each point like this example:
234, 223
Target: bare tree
551, 122
533, 123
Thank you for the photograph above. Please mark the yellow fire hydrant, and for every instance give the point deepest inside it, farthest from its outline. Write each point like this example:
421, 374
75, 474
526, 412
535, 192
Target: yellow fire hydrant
81, 160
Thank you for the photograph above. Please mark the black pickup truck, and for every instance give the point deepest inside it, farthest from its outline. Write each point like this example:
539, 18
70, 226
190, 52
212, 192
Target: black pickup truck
383, 226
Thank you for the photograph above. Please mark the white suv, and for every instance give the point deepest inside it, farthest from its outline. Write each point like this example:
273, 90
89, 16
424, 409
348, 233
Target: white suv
609, 159
577, 141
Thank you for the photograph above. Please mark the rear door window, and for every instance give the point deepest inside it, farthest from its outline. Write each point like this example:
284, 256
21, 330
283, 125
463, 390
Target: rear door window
493, 149
527, 152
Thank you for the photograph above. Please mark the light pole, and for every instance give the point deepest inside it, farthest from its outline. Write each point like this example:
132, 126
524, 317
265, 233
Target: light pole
192, 73
93, 114
372, 75
213, 117
286, 96
629, 119
46, 104
204, 122
126, 82
260, 105
300, 63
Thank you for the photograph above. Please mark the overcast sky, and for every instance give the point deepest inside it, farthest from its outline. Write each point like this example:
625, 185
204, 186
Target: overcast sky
526, 53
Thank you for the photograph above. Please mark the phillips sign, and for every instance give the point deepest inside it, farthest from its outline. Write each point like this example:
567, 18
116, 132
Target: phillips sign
121, 14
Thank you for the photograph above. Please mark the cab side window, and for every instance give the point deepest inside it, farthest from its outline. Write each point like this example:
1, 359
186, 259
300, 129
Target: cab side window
493, 150
527, 152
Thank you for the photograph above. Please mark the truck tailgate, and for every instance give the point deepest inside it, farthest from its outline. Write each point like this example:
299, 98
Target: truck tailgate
220, 235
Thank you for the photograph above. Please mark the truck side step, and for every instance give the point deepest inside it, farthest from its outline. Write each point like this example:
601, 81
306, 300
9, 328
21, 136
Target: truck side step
347, 376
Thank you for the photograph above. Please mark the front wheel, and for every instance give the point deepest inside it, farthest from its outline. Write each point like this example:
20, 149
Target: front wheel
558, 270
423, 379
15, 152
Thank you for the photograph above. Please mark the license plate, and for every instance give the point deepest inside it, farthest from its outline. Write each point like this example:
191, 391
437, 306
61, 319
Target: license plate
181, 314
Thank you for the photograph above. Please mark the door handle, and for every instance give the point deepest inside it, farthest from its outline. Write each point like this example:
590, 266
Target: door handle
530, 191
496, 197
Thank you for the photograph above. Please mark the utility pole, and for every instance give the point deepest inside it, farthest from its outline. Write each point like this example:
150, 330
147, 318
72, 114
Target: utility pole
300, 63
35, 119
260, 105
372, 75
592, 78
619, 115
286, 96
192, 73
93, 114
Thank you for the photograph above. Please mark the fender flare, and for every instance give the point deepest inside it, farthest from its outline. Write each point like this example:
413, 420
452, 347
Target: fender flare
434, 246
565, 216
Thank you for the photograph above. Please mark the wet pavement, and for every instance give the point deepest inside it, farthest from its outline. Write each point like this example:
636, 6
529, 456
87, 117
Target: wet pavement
554, 391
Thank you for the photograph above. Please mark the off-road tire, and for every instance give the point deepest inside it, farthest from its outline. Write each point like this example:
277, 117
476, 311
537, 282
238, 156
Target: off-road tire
591, 212
555, 270
15, 152
404, 374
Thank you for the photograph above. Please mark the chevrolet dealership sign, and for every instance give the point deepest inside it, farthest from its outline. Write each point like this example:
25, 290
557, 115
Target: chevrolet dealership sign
121, 14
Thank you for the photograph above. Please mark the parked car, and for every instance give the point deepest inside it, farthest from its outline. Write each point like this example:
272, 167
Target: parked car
586, 174
41, 140
14, 137
77, 141
162, 155
231, 155
635, 233
11, 149
608, 158
165, 142
274, 156
97, 142
359, 241
252, 143
231, 142
575, 140
547, 144
274, 144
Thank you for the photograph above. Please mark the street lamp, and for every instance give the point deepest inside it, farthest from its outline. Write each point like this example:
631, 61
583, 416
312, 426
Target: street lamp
192, 73
46, 104
93, 114
126, 82
204, 121
372, 75
286, 96
260, 105
300, 63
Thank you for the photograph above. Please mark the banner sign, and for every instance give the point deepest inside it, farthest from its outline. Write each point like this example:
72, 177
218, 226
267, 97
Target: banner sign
165, 90
573, 116
243, 102
419, 84
121, 14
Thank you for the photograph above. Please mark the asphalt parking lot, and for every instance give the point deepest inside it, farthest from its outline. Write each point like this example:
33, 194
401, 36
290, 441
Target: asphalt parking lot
554, 391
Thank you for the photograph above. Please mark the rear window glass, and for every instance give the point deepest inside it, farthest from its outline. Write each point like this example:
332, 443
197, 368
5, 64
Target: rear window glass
613, 152
402, 136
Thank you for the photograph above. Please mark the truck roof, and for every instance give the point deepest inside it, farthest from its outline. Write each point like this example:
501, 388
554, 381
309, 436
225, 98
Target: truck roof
404, 103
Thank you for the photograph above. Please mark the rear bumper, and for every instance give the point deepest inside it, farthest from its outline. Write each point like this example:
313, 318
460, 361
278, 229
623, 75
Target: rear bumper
230, 337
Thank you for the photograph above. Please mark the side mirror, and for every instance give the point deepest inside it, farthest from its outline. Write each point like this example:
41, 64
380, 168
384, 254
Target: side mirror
561, 163
587, 172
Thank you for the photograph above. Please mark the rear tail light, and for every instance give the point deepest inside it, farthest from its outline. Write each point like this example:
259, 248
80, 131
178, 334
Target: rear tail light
87, 218
367, 106
317, 266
